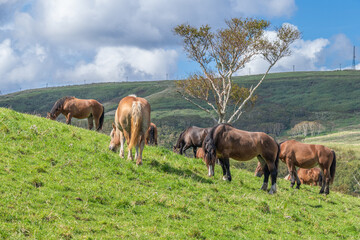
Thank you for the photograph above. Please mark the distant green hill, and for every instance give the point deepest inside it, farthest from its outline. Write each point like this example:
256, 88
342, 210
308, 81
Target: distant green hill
284, 99
61, 182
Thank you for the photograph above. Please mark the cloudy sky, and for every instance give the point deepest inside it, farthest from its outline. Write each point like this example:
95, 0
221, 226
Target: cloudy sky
61, 42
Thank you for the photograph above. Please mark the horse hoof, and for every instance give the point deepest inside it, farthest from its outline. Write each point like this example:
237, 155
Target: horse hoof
139, 163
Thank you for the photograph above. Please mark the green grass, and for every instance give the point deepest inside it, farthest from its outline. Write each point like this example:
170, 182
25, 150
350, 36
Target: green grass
61, 182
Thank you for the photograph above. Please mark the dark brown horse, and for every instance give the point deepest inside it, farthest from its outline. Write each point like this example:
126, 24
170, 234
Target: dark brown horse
191, 137
132, 120
297, 154
151, 135
224, 142
79, 108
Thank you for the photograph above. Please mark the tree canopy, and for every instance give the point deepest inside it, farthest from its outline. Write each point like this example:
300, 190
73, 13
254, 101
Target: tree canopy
222, 53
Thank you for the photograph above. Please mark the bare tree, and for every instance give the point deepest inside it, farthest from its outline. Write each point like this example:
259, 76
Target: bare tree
220, 54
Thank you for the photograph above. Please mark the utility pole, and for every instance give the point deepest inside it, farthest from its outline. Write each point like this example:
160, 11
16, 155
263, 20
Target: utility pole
353, 63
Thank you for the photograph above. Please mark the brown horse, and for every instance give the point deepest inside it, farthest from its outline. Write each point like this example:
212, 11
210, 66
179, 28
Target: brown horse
191, 137
297, 154
132, 120
200, 153
79, 108
311, 176
224, 141
151, 135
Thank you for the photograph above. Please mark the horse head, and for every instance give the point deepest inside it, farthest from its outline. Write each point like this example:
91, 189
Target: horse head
51, 116
115, 139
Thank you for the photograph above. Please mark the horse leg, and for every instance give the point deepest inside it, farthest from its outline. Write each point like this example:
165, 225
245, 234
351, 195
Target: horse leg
122, 143
68, 118
326, 181
266, 178
223, 167
272, 170
194, 150
265, 171
186, 147
90, 122
292, 172
139, 155
225, 164
298, 182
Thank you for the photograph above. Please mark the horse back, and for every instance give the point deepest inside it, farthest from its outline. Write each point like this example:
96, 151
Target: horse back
243, 145
125, 110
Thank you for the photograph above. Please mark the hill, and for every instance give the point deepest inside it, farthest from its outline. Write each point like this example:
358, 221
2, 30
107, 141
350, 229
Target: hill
61, 182
284, 99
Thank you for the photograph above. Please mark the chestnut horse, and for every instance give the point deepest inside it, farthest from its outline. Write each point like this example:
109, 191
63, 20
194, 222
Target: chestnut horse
297, 154
224, 142
200, 153
132, 120
151, 135
79, 108
311, 176
191, 137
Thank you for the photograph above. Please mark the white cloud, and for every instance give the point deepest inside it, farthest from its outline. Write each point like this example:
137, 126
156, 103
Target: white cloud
305, 55
109, 40
119, 63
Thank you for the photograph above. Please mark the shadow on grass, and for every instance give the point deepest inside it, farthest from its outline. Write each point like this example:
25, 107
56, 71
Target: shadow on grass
165, 167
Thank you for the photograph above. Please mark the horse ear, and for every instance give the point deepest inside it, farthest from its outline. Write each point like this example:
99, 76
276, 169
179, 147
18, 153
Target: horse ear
48, 115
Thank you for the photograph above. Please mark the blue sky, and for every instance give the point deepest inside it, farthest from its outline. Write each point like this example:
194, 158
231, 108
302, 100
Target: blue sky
62, 42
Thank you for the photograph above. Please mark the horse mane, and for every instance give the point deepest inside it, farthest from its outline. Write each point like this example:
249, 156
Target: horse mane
59, 103
209, 142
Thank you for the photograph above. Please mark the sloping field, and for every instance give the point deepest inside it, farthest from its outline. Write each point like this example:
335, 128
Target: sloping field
61, 182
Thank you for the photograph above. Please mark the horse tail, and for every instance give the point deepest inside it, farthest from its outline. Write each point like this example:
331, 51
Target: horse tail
101, 120
333, 167
277, 157
152, 135
136, 123
209, 146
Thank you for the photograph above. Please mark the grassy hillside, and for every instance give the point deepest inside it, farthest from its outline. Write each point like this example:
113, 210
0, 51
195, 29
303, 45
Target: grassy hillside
61, 182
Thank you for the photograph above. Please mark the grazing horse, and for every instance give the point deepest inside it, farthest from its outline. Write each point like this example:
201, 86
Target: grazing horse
297, 154
79, 108
132, 120
311, 176
224, 142
200, 153
191, 137
151, 135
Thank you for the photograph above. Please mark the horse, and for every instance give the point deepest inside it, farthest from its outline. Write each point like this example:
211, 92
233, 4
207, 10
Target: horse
191, 137
132, 120
79, 108
224, 142
311, 176
200, 153
151, 135
297, 154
